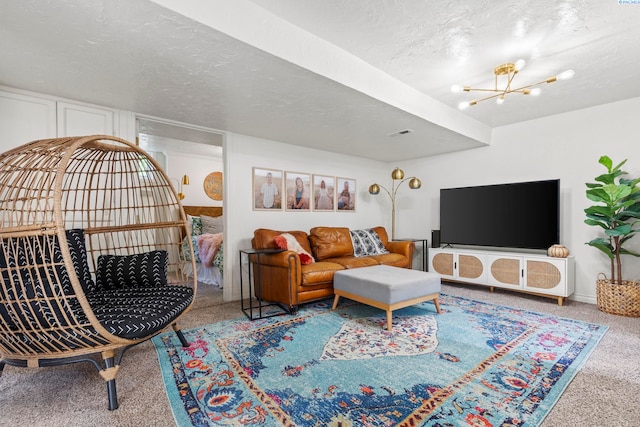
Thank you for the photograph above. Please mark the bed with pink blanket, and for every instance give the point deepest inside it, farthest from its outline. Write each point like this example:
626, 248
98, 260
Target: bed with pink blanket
206, 225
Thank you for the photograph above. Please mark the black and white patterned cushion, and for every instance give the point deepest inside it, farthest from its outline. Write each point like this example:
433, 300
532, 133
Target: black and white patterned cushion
132, 271
367, 242
33, 270
78, 251
139, 312
126, 312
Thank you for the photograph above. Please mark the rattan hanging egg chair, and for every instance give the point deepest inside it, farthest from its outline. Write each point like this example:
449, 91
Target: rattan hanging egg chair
90, 253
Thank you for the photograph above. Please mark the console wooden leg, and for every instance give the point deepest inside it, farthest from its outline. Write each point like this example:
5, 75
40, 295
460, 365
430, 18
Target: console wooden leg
335, 302
560, 301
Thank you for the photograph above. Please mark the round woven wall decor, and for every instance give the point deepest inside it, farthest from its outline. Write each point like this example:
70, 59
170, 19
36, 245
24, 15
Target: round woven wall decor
213, 185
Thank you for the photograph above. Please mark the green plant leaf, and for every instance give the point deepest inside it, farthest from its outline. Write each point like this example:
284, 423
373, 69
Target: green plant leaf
617, 168
602, 245
600, 210
630, 182
607, 178
626, 215
616, 192
620, 230
598, 195
606, 161
604, 225
628, 252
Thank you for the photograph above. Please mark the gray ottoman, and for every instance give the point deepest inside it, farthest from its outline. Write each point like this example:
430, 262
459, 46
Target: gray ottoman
387, 288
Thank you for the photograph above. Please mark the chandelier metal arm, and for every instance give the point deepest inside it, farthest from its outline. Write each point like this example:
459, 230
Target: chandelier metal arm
501, 92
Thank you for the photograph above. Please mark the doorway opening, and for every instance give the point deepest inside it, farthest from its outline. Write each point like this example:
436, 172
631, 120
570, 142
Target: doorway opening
191, 155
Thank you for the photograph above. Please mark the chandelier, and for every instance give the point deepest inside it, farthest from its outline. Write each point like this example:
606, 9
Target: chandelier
505, 73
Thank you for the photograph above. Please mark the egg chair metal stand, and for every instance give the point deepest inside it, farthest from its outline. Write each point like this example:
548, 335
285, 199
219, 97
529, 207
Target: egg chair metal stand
91, 254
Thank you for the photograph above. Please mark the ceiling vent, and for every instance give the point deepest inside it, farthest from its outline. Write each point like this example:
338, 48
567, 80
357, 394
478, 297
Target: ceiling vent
401, 132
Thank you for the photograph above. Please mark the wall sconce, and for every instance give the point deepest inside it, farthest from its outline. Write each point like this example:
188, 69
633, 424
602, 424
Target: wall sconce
184, 181
396, 175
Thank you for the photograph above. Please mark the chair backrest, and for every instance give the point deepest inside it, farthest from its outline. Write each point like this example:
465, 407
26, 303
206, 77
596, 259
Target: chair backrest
40, 310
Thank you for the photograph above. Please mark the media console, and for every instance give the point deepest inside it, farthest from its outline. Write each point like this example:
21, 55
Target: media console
531, 273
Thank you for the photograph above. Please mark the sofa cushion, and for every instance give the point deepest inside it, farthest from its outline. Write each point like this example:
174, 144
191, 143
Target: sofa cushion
330, 242
367, 242
264, 238
319, 273
354, 262
391, 259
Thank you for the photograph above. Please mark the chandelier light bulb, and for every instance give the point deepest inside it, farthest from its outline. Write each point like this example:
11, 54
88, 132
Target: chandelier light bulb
535, 91
464, 105
566, 75
457, 88
500, 100
519, 65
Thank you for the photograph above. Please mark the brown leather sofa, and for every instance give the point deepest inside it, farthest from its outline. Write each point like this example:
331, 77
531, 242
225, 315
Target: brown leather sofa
286, 281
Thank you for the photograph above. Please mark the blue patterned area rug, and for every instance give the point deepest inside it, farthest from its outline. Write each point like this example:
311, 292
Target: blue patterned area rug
475, 364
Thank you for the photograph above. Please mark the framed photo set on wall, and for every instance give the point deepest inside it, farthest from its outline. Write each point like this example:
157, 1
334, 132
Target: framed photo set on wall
298, 191
346, 195
267, 189
324, 193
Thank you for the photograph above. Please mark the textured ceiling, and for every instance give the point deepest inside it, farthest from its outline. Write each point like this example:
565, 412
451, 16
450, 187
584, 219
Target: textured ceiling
343, 76
432, 45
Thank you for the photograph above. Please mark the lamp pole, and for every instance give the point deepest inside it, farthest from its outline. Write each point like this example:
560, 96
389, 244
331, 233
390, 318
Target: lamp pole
396, 175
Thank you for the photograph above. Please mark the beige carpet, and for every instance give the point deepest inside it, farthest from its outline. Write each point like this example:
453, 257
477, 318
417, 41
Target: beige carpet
605, 392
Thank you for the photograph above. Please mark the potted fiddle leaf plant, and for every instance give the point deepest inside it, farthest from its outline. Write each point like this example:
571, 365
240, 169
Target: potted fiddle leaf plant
617, 212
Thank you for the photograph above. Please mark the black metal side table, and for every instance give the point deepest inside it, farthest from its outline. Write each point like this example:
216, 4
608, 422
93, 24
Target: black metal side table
425, 253
256, 286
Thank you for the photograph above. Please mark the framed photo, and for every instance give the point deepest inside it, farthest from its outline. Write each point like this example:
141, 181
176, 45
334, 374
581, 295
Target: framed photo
267, 189
346, 195
298, 191
324, 193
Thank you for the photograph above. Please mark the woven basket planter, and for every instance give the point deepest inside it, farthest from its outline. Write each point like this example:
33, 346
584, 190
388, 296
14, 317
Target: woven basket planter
621, 300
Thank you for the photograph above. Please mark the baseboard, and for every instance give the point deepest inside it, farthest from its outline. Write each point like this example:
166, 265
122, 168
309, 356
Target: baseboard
589, 299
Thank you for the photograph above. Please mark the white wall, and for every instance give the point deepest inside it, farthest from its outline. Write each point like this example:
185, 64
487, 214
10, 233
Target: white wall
196, 167
187, 158
243, 153
565, 146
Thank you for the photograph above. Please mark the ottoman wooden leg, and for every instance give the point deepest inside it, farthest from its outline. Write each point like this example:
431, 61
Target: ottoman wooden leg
335, 302
389, 324
436, 301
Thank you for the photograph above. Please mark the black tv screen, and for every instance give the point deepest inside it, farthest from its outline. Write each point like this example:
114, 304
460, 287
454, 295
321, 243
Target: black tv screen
518, 215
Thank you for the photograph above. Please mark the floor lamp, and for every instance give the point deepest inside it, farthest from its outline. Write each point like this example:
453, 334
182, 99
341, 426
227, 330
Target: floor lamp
396, 175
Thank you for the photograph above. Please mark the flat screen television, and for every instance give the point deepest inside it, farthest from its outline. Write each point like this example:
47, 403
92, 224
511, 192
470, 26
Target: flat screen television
518, 215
